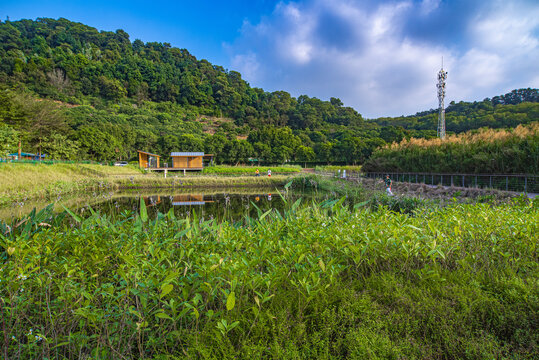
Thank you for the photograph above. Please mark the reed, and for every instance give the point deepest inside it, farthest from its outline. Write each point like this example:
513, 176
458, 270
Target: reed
485, 151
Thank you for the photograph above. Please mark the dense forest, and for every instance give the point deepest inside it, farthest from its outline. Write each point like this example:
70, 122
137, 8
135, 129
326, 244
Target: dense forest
72, 92
485, 151
509, 110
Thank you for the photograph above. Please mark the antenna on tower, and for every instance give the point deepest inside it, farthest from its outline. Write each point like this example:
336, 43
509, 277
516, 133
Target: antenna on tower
442, 76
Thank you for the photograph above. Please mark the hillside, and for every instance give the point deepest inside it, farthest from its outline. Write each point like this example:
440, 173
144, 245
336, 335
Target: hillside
509, 110
73, 92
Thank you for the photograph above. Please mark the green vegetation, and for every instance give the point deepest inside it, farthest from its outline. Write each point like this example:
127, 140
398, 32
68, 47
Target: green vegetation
509, 110
356, 193
353, 168
250, 170
27, 181
319, 282
486, 151
74, 93
21, 182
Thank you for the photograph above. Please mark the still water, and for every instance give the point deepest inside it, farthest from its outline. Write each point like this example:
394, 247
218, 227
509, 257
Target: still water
219, 204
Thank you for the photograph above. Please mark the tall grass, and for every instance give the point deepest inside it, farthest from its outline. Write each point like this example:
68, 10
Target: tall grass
485, 151
357, 193
318, 282
21, 177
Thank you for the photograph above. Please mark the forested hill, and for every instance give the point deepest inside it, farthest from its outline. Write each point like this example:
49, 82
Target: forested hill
509, 110
113, 96
75, 63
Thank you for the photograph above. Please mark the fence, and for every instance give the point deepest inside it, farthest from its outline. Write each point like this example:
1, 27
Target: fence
519, 183
52, 162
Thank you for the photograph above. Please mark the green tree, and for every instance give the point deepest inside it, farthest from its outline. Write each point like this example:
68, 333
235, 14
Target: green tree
59, 147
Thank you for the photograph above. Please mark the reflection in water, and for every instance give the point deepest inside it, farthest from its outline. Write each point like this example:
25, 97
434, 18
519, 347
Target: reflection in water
189, 199
223, 206
207, 204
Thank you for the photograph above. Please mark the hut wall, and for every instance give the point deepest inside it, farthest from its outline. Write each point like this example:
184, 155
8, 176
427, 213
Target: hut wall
195, 162
180, 162
143, 160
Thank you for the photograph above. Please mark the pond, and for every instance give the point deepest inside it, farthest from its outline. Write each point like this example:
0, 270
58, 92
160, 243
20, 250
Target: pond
220, 204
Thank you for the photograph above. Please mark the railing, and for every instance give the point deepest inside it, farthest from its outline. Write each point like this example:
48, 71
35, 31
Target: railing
510, 182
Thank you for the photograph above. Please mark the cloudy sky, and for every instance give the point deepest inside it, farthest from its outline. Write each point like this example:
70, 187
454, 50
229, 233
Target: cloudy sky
381, 57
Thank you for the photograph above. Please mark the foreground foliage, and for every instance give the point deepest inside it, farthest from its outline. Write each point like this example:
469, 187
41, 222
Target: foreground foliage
318, 282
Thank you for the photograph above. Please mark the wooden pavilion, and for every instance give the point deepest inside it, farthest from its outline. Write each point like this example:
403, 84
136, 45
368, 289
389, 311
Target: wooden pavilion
189, 160
148, 160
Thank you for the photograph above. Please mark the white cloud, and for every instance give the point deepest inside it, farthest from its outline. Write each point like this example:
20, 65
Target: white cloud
247, 65
367, 55
428, 6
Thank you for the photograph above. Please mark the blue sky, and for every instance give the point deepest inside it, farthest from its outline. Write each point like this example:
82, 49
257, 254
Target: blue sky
381, 57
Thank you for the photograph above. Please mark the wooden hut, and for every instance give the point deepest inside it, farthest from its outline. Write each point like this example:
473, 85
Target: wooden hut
148, 160
189, 160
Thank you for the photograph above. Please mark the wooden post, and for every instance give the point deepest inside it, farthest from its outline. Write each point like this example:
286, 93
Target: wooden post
20, 152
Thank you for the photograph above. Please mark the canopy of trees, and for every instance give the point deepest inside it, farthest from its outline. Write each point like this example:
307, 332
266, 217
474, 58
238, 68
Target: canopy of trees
73, 92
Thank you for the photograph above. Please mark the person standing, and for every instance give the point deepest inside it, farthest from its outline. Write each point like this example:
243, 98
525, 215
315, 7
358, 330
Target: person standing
257, 173
388, 183
269, 172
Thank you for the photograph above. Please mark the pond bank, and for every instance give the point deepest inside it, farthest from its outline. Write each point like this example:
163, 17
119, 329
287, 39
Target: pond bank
23, 182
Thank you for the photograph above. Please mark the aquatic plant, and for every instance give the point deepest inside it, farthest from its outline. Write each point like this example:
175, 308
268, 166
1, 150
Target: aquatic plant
322, 281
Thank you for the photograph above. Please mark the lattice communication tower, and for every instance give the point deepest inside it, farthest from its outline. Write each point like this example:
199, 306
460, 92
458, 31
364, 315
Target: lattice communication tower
442, 76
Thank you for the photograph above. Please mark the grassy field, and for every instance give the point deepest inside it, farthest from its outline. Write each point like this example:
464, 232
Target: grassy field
20, 182
335, 168
250, 170
23, 182
325, 282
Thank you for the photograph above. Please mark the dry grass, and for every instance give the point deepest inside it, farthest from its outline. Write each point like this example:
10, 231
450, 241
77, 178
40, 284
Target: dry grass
485, 135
